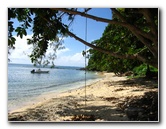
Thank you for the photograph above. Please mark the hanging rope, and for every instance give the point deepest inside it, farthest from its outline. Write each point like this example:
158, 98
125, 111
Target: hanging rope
85, 53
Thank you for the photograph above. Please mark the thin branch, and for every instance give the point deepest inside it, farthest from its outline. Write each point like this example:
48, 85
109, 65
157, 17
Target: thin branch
86, 10
62, 14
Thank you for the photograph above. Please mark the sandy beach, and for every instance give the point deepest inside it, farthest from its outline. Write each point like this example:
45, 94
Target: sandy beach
104, 101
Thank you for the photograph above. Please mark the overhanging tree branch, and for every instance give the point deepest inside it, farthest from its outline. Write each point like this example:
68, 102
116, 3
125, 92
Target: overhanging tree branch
141, 35
124, 24
117, 55
135, 56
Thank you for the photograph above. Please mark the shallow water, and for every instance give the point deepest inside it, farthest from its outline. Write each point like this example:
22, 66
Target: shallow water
24, 87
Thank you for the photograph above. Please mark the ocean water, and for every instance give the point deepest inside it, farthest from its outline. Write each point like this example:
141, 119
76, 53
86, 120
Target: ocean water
24, 87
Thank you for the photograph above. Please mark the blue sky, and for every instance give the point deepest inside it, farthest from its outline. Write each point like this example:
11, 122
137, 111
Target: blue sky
72, 54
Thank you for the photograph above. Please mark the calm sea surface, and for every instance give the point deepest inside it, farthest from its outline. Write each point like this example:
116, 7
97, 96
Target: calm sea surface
24, 86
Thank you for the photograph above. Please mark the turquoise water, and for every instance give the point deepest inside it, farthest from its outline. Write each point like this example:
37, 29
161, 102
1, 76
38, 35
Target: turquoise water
24, 86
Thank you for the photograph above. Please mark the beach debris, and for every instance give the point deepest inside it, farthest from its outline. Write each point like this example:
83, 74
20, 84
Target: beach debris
111, 98
119, 89
135, 90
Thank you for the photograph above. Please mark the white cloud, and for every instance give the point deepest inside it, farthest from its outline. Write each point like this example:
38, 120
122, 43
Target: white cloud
71, 60
64, 56
60, 52
21, 51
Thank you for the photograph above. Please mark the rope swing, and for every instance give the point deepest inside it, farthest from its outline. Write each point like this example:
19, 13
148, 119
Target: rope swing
85, 52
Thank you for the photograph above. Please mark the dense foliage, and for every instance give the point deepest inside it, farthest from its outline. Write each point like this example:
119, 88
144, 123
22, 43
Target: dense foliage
120, 40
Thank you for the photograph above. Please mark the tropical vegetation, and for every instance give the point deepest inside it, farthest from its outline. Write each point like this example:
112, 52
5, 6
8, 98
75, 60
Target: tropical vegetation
129, 40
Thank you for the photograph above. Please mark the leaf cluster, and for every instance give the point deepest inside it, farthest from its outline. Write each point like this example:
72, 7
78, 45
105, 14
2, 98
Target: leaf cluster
47, 27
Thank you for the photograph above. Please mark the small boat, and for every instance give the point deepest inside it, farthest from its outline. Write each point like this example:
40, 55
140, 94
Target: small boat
39, 71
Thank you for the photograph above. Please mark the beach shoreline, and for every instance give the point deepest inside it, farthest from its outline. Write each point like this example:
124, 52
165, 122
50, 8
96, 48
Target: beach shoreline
99, 102
55, 93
